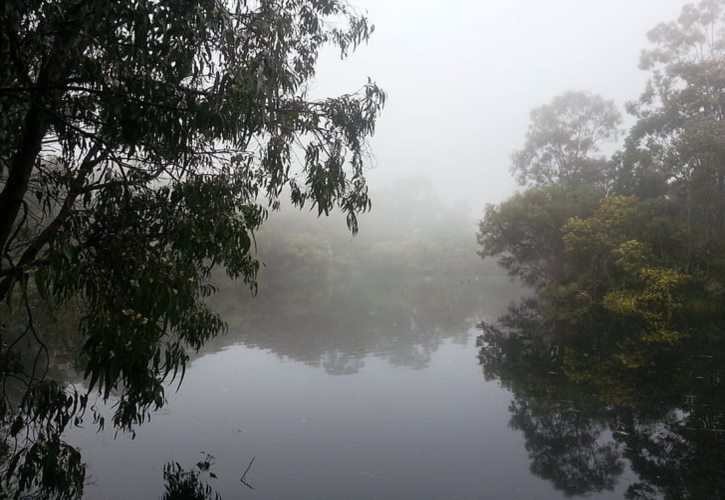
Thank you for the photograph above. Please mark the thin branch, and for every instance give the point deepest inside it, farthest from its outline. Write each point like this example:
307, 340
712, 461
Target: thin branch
28, 257
244, 476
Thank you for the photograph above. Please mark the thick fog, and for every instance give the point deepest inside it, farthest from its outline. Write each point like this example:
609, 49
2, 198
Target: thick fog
462, 76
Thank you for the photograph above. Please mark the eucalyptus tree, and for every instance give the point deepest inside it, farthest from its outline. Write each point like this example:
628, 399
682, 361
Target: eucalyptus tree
141, 144
565, 175
524, 232
680, 121
564, 139
627, 306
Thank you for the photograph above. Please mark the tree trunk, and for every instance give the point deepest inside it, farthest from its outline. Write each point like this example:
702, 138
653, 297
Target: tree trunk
43, 101
21, 167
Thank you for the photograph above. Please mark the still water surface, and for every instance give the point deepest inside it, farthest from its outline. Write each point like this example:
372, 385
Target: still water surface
392, 405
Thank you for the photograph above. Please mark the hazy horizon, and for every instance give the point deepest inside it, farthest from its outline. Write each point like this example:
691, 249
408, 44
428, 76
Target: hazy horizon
462, 77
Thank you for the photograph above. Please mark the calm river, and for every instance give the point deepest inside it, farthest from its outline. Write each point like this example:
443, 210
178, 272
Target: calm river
358, 372
391, 403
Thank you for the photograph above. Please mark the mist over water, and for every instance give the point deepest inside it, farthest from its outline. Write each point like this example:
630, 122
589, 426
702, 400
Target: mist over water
352, 372
357, 370
463, 76
548, 331
409, 280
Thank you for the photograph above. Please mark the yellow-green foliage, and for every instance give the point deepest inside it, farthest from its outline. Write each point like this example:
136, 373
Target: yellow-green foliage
632, 256
619, 265
604, 230
657, 301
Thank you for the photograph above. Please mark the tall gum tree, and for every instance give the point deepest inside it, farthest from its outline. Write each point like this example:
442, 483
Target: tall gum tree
564, 139
681, 121
141, 144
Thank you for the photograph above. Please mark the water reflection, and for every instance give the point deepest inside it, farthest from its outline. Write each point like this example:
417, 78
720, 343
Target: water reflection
594, 399
404, 294
406, 283
403, 324
36, 406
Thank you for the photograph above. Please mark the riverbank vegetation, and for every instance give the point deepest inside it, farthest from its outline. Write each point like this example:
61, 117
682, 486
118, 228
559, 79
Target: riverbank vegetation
615, 361
639, 234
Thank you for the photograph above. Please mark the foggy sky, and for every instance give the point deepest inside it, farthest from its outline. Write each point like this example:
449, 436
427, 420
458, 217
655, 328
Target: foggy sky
462, 76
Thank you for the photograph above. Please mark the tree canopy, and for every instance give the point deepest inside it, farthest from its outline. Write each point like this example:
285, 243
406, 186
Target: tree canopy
626, 325
563, 140
141, 145
643, 234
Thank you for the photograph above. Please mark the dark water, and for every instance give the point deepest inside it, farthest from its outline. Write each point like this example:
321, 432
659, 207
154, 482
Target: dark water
391, 403
384, 432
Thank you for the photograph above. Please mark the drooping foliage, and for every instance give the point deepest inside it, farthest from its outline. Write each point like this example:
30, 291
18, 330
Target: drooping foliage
141, 145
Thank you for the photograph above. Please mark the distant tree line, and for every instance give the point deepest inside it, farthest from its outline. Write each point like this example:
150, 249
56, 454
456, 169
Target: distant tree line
407, 282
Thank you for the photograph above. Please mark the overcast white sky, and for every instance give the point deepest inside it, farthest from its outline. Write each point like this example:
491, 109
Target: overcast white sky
462, 76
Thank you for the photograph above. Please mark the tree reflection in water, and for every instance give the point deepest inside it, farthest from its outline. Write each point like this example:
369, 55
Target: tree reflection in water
409, 283
594, 395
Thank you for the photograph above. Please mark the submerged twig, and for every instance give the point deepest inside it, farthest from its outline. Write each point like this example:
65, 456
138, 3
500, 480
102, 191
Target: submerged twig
243, 479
